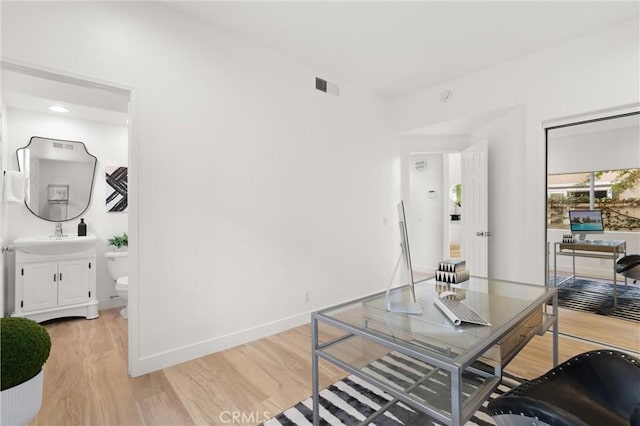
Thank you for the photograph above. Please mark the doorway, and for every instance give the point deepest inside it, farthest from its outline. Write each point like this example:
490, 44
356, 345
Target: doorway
45, 103
502, 129
439, 230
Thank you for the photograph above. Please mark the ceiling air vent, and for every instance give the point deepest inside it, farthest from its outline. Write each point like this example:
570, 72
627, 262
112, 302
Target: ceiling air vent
327, 87
60, 145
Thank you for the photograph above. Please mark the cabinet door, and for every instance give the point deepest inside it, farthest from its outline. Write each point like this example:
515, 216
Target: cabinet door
39, 285
73, 282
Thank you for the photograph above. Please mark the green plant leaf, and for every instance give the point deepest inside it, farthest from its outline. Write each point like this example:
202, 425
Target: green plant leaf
119, 240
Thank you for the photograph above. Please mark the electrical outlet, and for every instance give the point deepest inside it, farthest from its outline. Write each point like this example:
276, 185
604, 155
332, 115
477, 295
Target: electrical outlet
305, 297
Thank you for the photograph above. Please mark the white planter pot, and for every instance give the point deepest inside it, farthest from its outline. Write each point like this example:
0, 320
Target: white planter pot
20, 404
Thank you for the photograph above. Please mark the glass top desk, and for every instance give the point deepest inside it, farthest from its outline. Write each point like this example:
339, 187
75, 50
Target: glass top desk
467, 358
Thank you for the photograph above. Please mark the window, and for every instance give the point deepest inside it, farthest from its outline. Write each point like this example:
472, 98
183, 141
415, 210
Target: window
616, 193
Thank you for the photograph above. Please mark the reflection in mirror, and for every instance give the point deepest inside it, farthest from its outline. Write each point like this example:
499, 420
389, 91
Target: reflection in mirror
455, 193
59, 177
595, 166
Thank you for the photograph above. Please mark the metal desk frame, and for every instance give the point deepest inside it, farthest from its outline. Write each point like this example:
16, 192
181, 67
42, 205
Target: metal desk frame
459, 413
614, 250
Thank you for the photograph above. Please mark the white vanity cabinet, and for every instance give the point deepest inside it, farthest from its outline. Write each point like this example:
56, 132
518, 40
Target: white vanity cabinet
38, 284
55, 285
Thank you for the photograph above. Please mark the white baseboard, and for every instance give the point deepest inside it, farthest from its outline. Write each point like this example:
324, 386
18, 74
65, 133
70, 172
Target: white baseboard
162, 360
116, 302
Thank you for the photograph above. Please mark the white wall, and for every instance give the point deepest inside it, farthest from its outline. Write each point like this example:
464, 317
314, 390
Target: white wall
107, 142
589, 74
433, 144
253, 187
425, 221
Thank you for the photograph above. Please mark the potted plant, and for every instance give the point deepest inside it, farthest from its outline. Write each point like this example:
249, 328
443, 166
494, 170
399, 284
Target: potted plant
25, 347
119, 241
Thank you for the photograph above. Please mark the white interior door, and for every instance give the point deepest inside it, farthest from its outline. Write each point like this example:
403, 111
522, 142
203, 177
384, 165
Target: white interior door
475, 205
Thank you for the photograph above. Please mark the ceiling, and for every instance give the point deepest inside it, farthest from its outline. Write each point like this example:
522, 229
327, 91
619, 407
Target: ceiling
395, 48
460, 126
392, 48
32, 93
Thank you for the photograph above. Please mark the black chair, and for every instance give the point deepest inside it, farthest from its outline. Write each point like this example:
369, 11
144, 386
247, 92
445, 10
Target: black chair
597, 388
629, 266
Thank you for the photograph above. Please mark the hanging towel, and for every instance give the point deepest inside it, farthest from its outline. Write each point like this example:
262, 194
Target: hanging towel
13, 187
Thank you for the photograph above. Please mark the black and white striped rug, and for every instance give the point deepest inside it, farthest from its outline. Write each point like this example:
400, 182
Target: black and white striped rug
351, 400
597, 296
601, 304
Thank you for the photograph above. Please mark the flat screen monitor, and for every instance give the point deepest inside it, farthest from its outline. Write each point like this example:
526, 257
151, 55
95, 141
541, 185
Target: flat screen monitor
583, 222
404, 244
411, 307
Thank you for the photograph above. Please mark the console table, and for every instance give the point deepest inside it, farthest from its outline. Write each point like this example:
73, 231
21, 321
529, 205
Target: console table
459, 356
599, 249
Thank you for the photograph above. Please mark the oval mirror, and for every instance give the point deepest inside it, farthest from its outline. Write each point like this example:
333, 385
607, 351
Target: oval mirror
58, 177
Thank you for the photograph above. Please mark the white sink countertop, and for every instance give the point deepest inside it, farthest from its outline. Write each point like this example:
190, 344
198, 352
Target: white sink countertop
50, 244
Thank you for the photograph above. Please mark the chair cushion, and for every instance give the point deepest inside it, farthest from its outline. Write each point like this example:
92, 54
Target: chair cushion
628, 262
635, 416
594, 388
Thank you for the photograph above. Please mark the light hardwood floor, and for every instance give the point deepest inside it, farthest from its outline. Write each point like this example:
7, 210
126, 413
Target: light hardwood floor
86, 382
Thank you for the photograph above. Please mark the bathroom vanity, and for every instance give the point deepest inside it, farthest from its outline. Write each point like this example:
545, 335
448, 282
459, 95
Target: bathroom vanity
55, 277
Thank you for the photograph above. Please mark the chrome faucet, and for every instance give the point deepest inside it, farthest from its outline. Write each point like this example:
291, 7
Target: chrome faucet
58, 232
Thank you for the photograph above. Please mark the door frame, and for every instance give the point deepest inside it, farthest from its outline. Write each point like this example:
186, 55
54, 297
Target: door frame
133, 213
405, 156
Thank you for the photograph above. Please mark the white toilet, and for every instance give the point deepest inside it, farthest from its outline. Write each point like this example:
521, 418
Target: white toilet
118, 267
